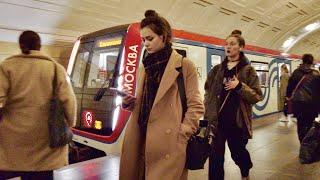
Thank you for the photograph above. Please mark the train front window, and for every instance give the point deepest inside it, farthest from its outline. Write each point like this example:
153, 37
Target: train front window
102, 67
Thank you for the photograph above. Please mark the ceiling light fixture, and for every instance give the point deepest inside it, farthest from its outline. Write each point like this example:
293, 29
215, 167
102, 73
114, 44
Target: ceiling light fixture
292, 40
288, 42
312, 26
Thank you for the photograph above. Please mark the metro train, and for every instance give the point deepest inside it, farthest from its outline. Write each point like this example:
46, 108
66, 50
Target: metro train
111, 58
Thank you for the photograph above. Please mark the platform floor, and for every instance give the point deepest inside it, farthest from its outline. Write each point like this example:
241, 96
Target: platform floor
274, 152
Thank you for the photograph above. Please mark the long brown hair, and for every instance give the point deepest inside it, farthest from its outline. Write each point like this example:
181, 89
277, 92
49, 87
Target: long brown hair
158, 25
284, 68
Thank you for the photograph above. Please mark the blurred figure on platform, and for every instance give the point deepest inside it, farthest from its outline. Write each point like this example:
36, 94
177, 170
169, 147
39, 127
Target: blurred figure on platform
304, 89
26, 82
284, 78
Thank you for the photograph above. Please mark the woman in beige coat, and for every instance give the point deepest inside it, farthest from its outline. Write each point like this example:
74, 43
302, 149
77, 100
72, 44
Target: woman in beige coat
25, 91
155, 141
284, 79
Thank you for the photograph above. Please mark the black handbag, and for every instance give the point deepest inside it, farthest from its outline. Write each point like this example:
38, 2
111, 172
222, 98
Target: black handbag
60, 133
310, 145
198, 147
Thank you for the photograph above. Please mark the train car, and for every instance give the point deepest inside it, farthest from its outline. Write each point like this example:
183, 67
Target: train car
111, 58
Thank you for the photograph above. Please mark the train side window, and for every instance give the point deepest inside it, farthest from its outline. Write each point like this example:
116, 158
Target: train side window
215, 60
262, 69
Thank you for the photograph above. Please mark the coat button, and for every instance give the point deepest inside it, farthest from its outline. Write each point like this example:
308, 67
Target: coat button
167, 156
171, 105
168, 131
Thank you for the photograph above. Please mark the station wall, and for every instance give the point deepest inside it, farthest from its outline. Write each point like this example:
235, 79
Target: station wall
58, 53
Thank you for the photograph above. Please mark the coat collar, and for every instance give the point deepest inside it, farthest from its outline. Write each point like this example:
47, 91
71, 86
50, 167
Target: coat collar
169, 76
243, 61
33, 54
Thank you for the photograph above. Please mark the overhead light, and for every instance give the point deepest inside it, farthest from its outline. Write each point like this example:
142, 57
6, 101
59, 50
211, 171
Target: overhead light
288, 42
291, 41
312, 26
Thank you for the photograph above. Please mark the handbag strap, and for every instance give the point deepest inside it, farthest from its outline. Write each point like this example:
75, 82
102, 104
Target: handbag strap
183, 99
227, 96
182, 91
295, 89
224, 101
55, 81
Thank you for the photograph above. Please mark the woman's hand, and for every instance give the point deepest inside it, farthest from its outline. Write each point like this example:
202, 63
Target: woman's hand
232, 83
128, 101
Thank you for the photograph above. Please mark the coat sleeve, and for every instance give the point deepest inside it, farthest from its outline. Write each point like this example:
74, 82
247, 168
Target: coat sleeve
317, 90
292, 83
208, 93
66, 96
4, 86
194, 100
251, 91
283, 85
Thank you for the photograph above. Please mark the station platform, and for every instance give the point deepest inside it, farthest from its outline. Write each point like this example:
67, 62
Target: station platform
104, 168
274, 152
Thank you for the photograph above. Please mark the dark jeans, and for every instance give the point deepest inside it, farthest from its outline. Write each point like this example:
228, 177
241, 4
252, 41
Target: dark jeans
239, 153
41, 175
305, 114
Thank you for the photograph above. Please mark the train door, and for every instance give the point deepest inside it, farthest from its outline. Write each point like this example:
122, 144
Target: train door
197, 54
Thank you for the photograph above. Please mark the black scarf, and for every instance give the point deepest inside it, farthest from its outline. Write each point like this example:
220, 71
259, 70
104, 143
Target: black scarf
155, 65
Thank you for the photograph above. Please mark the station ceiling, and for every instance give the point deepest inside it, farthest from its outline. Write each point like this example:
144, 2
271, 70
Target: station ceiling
291, 26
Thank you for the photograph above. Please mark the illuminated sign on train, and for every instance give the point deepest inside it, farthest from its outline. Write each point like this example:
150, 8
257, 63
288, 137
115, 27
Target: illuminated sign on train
109, 42
130, 68
97, 124
87, 119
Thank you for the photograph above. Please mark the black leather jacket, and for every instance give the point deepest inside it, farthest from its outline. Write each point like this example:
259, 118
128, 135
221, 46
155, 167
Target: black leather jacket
308, 91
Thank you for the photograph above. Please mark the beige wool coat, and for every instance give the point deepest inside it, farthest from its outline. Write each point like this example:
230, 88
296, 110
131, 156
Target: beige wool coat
284, 79
166, 138
25, 91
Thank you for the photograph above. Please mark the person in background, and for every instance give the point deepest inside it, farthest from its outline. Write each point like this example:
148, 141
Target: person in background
25, 94
306, 99
155, 140
284, 78
231, 89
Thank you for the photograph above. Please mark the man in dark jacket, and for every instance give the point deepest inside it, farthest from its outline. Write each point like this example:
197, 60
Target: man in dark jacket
306, 95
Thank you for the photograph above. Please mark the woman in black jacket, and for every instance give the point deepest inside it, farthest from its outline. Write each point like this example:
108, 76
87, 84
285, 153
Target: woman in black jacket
231, 89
